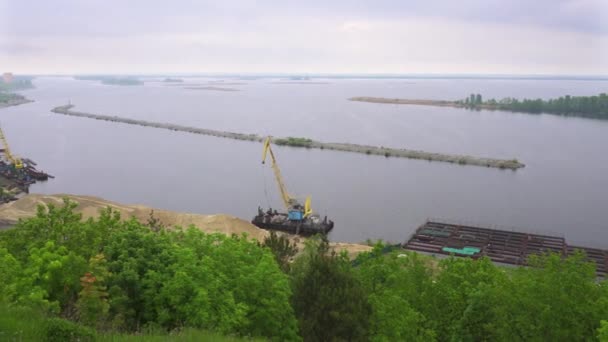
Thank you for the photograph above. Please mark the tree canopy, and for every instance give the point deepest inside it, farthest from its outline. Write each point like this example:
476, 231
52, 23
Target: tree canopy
108, 275
585, 106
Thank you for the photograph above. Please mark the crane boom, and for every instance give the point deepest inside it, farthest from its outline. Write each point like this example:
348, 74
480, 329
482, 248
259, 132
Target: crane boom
7, 151
288, 201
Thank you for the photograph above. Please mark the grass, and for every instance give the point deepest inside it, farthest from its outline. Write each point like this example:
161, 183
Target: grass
26, 324
21, 324
184, 335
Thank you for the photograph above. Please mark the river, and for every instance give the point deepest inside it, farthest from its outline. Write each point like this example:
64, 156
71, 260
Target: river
562, 190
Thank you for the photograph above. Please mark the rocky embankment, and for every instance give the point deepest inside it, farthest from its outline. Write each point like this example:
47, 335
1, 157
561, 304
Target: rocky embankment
90, 207
512, 164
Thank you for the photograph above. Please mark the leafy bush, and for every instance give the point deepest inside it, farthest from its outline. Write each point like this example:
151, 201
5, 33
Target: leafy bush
115, 274
61, 330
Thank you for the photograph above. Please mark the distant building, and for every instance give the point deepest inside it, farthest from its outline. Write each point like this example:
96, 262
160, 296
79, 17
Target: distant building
7, 77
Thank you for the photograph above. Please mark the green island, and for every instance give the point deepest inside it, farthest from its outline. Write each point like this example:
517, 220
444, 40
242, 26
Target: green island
112, 80
63, 278
583, 106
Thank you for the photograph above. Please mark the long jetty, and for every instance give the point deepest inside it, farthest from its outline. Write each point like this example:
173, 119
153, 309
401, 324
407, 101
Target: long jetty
365, 149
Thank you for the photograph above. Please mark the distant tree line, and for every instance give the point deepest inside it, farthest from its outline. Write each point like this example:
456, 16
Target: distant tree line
18, 83
111, 80
585, 106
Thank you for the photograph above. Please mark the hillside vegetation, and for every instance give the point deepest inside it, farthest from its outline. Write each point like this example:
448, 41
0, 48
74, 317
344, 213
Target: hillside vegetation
63, 278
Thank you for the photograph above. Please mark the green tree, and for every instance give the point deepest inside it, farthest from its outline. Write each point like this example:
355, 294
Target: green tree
282, 249
396, 284
92, 304
329, 301
603, 331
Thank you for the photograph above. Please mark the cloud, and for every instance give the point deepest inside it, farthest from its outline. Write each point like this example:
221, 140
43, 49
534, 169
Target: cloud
340, 37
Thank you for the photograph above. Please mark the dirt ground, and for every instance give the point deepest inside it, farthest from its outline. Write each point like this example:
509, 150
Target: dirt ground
90, 206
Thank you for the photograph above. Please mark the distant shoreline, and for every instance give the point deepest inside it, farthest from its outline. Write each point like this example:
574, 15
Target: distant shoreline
420, 102
592, 107
15, 102
211, 88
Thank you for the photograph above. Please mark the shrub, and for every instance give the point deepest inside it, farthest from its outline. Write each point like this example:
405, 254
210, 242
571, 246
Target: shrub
60, 330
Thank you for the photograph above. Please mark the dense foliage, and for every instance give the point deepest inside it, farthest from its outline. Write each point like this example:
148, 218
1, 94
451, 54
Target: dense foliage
586, 106
121, 275
64, 278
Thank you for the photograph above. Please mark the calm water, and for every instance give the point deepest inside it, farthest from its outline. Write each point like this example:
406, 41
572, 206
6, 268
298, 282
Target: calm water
563, 190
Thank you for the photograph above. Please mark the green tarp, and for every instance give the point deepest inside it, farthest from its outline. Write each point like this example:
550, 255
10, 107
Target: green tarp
463, 251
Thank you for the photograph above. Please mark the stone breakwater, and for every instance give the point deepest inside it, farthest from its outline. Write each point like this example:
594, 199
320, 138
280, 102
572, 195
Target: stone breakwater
364, 149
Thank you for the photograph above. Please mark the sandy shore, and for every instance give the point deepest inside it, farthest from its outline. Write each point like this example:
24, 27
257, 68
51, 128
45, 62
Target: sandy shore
90, 206
436, 103
346, 147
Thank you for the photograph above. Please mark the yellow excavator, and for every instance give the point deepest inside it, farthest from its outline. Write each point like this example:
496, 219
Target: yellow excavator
299, 219
16, 161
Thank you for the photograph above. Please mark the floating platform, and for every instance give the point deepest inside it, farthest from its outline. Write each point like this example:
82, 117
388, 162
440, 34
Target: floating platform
501, 246
280, 221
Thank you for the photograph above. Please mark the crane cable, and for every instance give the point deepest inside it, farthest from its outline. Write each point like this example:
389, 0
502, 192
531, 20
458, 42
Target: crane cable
265, 186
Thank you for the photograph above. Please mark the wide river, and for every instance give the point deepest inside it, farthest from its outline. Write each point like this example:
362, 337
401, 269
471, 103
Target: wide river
562, 190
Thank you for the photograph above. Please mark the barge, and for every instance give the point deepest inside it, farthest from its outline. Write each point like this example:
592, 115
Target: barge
501, 246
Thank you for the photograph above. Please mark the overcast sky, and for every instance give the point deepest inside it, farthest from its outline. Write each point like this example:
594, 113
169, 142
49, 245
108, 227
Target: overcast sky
308, 36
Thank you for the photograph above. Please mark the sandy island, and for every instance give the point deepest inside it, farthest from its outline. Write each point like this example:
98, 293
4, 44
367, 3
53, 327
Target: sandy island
436, 103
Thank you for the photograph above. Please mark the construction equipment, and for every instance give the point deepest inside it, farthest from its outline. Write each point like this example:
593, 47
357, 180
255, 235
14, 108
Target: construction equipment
294, 208
14, 160
299, 218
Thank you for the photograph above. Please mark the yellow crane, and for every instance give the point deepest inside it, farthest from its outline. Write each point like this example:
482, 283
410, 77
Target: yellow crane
295, 210
16, 161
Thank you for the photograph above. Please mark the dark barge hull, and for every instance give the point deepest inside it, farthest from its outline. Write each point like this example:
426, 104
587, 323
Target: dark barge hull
304, 228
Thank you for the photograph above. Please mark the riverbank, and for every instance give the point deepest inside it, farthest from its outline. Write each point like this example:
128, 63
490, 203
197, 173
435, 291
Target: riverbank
210, 88
14, 100
90, 207
594, 107
512, 164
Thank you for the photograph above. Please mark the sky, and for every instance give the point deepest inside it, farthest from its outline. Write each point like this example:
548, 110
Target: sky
564, 37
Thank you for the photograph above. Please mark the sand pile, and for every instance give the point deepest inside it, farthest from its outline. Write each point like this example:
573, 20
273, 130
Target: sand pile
90, 206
